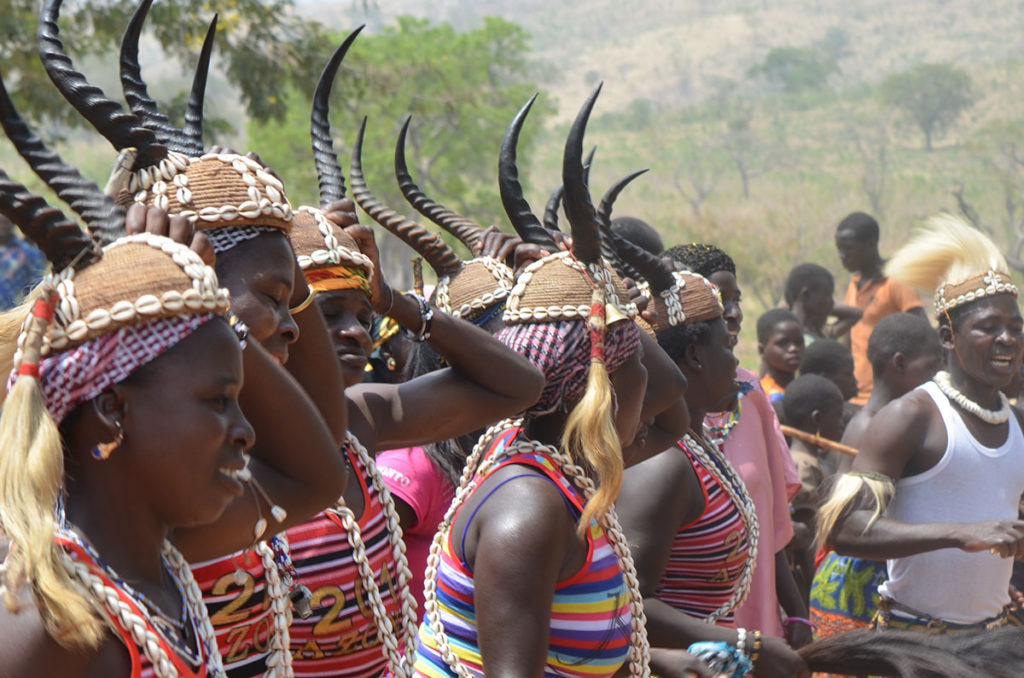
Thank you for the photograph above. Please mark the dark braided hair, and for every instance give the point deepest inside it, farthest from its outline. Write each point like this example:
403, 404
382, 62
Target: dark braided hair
702, 258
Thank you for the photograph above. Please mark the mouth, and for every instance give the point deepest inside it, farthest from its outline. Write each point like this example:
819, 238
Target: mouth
352, 358
1001, 363
234, 472
280, 356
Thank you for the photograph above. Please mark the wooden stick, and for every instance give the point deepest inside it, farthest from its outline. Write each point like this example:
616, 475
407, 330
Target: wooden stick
812, 439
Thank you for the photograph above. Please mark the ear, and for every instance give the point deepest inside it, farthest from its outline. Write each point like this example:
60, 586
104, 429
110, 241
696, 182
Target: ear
110, 407
760, 349
946, 337
691, 357
899, 362
816, 418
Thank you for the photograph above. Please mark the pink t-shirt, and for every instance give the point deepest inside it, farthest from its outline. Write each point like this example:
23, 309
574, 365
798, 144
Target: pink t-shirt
757, 450
412, 477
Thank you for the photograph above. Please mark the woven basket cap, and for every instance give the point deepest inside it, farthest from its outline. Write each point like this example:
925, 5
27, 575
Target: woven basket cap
559, 287
218, 190
693, 299
480, 284
950, 295
140, 278
319, 243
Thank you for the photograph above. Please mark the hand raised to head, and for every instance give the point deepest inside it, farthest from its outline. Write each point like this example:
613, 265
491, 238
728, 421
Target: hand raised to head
142, 219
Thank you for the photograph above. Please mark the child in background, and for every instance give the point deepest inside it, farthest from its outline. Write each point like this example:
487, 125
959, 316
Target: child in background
780, 343
904, 353
809, 294
814, 405
830, 359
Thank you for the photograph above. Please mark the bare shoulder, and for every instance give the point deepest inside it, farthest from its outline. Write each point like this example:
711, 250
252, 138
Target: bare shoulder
907, 432
29, 650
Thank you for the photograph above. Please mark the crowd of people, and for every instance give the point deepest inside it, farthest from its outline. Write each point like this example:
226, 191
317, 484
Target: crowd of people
231, 448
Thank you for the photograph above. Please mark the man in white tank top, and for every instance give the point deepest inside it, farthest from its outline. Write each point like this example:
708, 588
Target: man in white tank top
935, 488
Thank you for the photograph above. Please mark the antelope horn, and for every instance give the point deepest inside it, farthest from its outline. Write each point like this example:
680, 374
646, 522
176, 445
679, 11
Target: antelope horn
587, 163
60, 239
192, 132
466, 230
119, 127
132, 84
604, 217
428, 245
551, 209
579, 210
328, 170
104, 219
649, 266
518, 210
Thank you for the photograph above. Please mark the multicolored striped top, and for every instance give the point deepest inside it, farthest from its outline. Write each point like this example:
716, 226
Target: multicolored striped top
340, 639
708, 555
141, 666
590, 617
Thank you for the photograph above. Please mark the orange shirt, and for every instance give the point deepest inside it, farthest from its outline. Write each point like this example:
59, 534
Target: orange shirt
877, 299
772, 388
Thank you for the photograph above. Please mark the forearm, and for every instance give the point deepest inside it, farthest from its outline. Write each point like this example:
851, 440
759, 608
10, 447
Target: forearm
886, 538
474, 354
786, 589
314, 365
666, 385
668, 627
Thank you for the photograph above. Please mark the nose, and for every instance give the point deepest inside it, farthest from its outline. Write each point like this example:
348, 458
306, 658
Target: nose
241, 432
286, 326
351, 329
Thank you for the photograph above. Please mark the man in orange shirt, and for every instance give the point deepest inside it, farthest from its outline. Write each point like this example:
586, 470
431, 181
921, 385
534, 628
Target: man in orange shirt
869, 290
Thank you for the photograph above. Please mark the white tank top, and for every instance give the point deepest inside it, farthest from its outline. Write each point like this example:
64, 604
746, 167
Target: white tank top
970, 483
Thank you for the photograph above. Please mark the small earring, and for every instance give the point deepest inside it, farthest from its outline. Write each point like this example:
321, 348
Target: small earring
392, 364
102, 451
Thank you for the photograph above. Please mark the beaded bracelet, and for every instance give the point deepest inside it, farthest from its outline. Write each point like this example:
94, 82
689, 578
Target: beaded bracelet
426, 319
755, 653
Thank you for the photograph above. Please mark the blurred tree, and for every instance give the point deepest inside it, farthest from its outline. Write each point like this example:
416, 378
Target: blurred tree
933, 95
462, 89
796, 69
261, 43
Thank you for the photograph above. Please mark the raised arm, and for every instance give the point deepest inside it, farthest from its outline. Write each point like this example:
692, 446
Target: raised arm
483, 383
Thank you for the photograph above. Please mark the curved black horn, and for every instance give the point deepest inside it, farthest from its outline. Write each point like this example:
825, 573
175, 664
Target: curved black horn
132, 84
119, 127
59, 238
649, 266
587, 163
604, 217
430, 246
466, 230
104, 219
579, 210
192, 131
551, 209
328, 169
518, 210
604, 210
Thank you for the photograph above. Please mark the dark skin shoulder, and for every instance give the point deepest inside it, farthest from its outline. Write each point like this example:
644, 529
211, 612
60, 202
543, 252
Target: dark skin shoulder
29, 650
520, 543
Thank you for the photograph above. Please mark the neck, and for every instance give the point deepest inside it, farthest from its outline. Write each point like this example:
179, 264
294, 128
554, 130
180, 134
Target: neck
129, 541
881, 395
800, 445
872, 269
781, 378
697, 419
547, 429
983, 394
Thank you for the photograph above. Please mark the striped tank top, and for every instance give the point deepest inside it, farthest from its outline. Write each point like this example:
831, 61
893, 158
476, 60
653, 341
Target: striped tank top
141, 666
708, 555
234, 591
340, 639
590, 617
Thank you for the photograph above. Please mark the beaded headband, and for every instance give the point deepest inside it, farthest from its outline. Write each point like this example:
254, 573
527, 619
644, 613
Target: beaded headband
560, 287
693, 299
140, 278
951, 295
482, 283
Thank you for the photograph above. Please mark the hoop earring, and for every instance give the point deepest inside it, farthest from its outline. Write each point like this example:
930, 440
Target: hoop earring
102, 451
